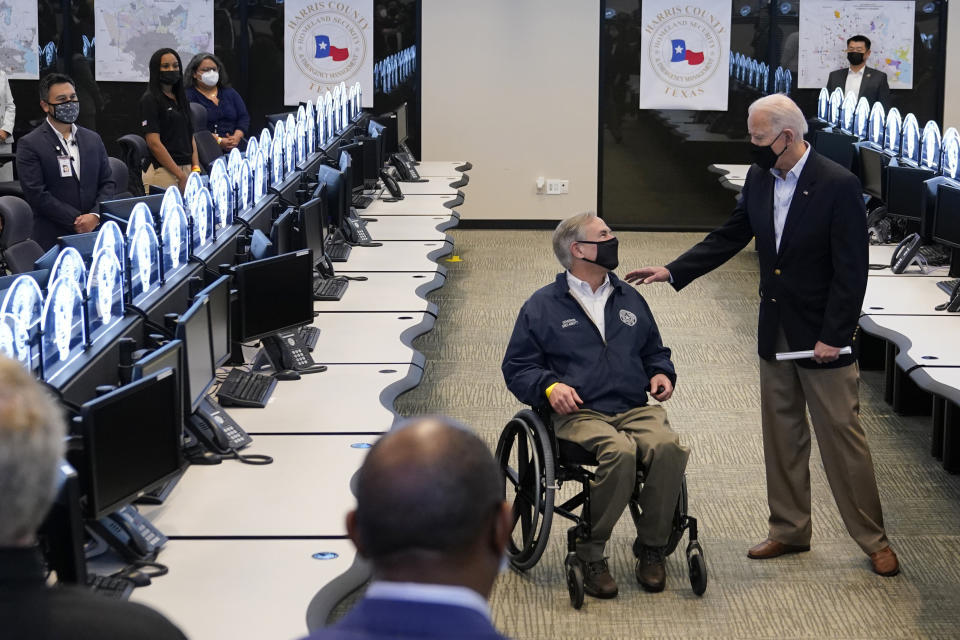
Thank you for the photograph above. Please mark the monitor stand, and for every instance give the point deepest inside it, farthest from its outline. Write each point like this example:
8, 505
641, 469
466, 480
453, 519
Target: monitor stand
158, 495
955, 263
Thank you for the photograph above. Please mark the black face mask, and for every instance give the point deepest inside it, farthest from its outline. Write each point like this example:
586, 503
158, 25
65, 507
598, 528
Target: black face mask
606, 253
855, 58
170, 77
764, 156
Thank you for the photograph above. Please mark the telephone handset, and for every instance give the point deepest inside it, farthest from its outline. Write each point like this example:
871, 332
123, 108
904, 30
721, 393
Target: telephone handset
391, 184
287, 351
905, 252
953, 304
408, 172
356, 231
130, 534
216, 430
325, 267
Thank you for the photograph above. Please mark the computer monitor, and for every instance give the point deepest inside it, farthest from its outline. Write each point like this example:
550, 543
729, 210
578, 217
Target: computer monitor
836, 146
45, 262
312, 221
905, 191
218, 309
336, 195
61, 536
287, 190
274, 294
351, 164
872, 165
193, 328
131, 442
120, 209
927, 204
281, 232
82, 242
168, 356
946, 222
402, 123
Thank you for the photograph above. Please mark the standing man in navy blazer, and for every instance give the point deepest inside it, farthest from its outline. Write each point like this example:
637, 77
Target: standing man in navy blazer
808, 218
859, 79
431, 518
63, 169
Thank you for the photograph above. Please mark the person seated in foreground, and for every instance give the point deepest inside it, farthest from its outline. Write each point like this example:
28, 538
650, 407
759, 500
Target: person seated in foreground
588, 345
431, 519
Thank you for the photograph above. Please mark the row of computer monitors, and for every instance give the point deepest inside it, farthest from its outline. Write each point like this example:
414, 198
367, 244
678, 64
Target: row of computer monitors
887, 130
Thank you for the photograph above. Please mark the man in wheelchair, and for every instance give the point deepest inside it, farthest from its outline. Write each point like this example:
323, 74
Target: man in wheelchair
588, 345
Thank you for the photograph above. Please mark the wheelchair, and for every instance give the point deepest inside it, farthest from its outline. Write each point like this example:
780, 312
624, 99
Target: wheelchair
534, 464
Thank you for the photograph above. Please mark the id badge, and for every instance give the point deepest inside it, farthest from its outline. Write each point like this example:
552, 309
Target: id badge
66, 169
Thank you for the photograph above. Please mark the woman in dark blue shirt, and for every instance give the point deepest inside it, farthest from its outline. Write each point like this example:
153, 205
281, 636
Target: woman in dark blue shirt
208, 85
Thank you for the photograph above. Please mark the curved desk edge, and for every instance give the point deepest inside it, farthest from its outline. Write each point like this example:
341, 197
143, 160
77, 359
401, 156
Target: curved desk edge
390, 393
412, 333
903, 342
462, 182
437, 282
921, 376
330, 594
444, 250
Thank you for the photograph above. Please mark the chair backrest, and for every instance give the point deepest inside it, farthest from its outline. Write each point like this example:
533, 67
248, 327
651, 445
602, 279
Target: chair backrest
198, 113
18, 248
207, 149
121, 176
136, 155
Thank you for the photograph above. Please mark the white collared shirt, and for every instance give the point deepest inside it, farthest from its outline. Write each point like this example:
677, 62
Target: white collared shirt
783, 189
429, 593
70, 146
593, 302
854, 80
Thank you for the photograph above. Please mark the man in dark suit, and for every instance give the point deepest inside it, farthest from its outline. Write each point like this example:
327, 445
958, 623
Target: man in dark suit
807, 215
431, 517
32, 442
63, 168
861, 80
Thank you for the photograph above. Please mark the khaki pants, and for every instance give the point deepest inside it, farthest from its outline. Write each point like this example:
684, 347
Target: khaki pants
832, 396
641, 436
161, 177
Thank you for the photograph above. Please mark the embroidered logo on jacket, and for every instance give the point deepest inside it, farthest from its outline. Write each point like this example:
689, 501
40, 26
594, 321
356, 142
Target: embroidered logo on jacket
627, 317
568, 323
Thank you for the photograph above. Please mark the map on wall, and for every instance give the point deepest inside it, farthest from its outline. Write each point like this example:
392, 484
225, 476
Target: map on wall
825, 27
129, 31
19, 47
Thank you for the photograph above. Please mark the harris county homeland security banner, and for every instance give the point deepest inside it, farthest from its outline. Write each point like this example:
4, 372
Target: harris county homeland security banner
326, 43
685, 54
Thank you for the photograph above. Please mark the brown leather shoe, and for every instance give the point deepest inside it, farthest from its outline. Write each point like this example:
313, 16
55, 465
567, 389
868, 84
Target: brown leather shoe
885, 562
651, 569
773, 549
597, 581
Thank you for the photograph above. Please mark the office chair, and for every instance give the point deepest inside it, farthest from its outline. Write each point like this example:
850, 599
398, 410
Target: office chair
121, 178
18, 250
136, 155
198, 113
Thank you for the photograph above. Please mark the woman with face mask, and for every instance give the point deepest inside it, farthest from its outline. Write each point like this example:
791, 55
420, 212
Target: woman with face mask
209, 86
166, 124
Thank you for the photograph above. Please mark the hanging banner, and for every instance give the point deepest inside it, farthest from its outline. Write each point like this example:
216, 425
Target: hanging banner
685, 54
324, 44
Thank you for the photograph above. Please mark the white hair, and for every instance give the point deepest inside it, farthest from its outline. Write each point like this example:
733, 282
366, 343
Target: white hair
783, 112
32, 431
567, 232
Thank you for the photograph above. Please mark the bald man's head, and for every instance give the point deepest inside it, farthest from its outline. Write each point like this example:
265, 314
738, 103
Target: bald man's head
430, 485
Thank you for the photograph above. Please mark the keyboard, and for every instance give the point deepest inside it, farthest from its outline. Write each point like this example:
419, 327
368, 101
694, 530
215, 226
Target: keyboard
935, 255
948, 285
119, 588
338, 252
329, 290
245, 389
361, 201
309, 336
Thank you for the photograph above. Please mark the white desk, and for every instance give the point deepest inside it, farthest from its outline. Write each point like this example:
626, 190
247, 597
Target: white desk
730, 171
346, 398
415, 206
256, 589
396, 256
433, 186
387, 227
305, 492
432, 168
882, 253
925, 341
903, 297
370, 338
384, 291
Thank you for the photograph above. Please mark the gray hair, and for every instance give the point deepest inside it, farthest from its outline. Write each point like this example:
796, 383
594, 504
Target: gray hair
568, 232
32, 431
784, 113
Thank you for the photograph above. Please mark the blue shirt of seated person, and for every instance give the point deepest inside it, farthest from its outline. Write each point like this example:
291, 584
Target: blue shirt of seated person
208, 85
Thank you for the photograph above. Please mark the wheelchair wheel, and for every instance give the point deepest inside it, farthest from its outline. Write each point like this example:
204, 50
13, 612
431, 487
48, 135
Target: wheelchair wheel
697, 567
679, 517
574, 581
526, 465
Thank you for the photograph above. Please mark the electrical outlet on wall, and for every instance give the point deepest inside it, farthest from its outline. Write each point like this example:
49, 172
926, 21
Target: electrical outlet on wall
557, 187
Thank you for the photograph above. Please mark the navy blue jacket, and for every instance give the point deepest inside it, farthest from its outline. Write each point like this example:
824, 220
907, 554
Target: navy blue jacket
227, 116
57, 201
554, 340
374, 619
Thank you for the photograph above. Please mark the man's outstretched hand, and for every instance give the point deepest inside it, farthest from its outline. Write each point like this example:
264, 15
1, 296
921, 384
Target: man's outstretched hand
648, 275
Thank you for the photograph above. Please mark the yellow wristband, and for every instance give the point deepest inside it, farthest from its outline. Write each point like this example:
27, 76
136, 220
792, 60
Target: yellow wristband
550, 389
219, 139
196, 169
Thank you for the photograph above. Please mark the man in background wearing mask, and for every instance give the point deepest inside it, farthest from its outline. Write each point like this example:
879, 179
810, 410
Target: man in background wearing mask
807, 215
860, 80
588, 345
64, 171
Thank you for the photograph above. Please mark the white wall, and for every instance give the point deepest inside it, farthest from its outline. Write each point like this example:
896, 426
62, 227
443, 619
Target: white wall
511, 86
951, 101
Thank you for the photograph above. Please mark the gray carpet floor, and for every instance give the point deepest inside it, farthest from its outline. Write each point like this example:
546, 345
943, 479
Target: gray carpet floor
829, 592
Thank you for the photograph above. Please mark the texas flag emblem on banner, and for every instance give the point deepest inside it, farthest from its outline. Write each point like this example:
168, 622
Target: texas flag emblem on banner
681, 53
325, 49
